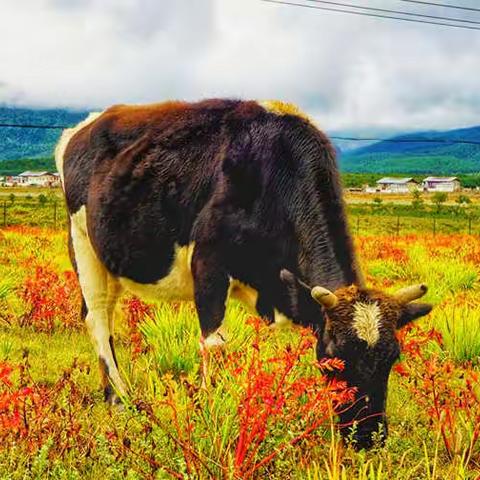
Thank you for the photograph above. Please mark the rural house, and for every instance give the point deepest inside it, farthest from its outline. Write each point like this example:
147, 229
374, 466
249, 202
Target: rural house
41, 179
396, 185
441, 184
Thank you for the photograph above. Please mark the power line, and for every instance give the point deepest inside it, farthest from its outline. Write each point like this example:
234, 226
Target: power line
333, 137
405, 140
399, 12
457, 7
375, 15
26, 125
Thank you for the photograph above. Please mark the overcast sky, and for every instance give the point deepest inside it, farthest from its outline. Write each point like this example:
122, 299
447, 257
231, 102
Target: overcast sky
348, 72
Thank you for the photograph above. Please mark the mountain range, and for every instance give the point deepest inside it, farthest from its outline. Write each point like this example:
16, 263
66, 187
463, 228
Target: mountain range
22, 143
436, 152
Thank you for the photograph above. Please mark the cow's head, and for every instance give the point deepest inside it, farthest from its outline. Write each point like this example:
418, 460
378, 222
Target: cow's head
358, 325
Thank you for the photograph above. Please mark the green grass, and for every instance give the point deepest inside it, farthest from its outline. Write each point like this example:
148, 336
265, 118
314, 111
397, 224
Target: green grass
411, 450
170, 369
459, 325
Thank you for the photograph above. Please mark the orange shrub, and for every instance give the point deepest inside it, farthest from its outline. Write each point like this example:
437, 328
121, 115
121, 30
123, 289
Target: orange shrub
51, 300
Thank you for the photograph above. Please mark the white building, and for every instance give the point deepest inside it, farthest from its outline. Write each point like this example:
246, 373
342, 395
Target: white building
396, 185
441, 184
41, 179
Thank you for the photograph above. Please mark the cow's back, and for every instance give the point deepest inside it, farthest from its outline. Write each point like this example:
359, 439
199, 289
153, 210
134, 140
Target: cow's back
153, 178
142, 174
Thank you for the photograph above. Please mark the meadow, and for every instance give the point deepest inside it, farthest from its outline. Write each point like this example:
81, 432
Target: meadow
267, 411
369, 214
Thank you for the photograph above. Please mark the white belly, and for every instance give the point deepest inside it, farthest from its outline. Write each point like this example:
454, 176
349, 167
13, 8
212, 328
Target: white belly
176, 286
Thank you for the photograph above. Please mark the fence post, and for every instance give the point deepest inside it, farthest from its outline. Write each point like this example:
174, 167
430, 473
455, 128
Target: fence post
5, 213
434, 225
398, 225
55, 214
469, 225
358, 225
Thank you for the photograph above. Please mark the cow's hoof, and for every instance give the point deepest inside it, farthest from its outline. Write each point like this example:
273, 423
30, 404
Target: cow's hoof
215, 340
112, 399
117, 405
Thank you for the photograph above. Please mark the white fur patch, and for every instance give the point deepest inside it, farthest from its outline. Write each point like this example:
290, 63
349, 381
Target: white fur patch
281, 320
366, 322
100, 291
66, 136
176, 286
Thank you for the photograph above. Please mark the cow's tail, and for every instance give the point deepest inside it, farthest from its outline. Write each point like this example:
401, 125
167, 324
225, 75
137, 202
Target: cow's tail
65, 138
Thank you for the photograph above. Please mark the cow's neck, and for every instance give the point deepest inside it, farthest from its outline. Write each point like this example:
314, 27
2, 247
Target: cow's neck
326, 253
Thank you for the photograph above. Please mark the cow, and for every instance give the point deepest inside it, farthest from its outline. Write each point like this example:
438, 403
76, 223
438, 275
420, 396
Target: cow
227, 198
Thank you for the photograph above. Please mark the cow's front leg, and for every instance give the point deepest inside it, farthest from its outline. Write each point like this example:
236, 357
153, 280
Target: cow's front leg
211, 284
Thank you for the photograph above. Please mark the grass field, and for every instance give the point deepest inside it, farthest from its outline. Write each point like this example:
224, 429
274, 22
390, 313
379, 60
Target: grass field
266, 412
393, 216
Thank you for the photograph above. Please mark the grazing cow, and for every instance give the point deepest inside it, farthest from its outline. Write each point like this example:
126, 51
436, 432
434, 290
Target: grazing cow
223, 197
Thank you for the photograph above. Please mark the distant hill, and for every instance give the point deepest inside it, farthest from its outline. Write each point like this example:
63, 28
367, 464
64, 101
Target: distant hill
26, 149
419, 157
29, 143
343, 139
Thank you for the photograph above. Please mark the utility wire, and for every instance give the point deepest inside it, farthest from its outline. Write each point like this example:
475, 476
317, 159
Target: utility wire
333, 137
457, 7
405, 140
27, 125
399, 12
364, 14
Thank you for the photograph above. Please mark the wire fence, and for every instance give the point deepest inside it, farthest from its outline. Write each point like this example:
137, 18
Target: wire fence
363, 225
52, 214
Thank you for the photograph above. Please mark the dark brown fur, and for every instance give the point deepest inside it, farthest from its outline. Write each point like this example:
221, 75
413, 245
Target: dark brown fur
266, 187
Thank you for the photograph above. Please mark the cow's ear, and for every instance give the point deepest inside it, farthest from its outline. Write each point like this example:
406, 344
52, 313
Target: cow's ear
287, 277
291, 281
294, 287
412, 311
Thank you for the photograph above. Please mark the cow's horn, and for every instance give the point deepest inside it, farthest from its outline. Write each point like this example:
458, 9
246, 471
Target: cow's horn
408, 294
324, 297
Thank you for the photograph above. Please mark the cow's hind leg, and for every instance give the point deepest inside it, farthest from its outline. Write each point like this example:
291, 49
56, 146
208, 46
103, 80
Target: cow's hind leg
100, 292
71, 254
110, 395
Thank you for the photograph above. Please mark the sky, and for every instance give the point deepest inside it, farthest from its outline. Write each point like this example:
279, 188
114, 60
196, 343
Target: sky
350, 73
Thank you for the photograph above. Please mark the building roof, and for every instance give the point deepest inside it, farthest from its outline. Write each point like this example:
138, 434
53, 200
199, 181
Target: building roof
396, 181
440, 179
33, 174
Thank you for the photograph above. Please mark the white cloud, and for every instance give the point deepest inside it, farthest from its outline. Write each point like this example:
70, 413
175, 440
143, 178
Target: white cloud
347, 71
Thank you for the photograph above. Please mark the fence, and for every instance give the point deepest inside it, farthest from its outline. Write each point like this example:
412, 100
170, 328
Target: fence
52, 214
404, 224
47, 214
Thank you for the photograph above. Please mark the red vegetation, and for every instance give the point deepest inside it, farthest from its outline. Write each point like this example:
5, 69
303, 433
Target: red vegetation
274, 395
32, 415
51, 299
288, 392
448, 393
135, 312
381, 248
